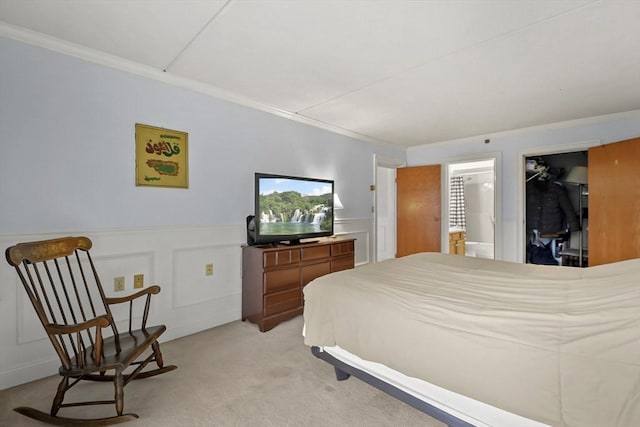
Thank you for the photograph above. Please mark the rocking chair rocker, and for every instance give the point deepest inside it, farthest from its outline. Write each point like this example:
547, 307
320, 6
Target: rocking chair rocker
62, 284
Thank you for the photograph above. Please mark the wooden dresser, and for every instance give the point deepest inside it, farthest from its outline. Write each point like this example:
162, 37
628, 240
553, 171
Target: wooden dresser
273, 277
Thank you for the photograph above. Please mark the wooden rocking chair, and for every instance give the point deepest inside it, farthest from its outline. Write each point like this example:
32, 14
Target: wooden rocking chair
63, 286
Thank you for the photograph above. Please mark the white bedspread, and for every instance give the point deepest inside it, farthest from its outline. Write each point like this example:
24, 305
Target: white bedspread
555, 344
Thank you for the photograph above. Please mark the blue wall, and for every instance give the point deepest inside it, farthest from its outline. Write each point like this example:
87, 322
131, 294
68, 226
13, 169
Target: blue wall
68, 159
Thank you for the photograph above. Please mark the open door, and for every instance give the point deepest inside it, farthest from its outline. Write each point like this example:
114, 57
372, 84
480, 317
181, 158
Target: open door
614, 202
419, 209
385, 210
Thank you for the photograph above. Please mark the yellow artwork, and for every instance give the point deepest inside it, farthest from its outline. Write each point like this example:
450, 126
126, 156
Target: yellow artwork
161, 157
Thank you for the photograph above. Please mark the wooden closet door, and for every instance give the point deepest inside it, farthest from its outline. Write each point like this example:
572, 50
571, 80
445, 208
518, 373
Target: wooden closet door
419, 210
614, 202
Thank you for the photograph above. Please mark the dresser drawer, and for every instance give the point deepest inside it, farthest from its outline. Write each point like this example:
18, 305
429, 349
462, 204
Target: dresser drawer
342, 263
282, 301
281, 257
279, 280
310, 272
316, 252
342, 248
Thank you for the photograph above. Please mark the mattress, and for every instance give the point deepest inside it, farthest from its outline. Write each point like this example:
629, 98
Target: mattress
560, 346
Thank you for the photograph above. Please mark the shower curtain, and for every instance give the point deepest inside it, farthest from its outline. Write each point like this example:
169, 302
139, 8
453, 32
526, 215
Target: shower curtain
456, 202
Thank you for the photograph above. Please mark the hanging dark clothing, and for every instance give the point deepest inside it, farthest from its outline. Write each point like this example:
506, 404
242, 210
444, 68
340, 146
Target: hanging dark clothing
549, 209
542, 255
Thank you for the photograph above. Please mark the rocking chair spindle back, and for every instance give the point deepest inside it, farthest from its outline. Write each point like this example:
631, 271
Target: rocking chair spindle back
64, 288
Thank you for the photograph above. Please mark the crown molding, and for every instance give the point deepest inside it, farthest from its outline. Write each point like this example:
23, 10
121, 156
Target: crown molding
84, 53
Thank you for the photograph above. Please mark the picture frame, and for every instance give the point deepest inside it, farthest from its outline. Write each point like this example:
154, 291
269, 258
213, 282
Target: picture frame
161, 157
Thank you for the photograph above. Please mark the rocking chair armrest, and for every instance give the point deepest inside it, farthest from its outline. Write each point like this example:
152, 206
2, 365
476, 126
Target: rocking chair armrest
100, 321
78, 344
153, 289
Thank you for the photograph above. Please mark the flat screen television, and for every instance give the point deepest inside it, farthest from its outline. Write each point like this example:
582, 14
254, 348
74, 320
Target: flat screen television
289, 209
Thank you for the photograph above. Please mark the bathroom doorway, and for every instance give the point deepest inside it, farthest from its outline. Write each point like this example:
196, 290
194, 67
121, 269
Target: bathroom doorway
471, 207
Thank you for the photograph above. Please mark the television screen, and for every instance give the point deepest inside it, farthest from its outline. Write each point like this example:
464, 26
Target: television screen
289, 208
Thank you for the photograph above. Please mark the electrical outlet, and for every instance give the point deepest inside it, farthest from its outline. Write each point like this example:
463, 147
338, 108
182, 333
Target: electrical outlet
138, 281
118, 284
208, 270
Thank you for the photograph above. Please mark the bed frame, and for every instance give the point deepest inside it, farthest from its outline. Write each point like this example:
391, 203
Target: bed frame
344, 371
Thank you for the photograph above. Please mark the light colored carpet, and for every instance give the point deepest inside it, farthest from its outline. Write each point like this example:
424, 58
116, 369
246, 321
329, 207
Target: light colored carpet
233, 375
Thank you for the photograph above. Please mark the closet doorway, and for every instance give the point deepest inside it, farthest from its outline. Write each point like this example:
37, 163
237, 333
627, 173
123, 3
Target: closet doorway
471, 206
556, 209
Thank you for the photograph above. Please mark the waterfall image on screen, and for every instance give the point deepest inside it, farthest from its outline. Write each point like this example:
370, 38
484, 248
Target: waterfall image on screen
290, 206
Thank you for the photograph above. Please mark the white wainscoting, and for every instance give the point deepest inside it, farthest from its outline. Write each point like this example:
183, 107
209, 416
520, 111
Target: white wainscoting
359, 229
173, 258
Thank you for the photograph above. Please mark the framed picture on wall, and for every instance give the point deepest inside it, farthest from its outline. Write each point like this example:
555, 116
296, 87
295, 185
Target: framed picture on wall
161, 157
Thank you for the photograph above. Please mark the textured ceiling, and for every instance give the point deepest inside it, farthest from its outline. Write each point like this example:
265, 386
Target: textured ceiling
399, 72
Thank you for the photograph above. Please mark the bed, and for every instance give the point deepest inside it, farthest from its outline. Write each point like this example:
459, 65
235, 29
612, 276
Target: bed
480, 342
